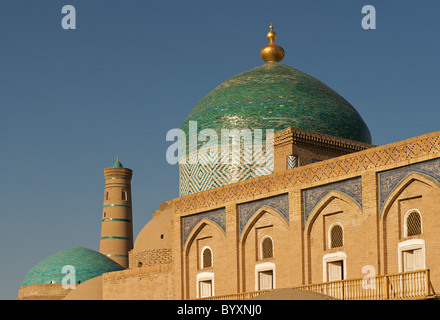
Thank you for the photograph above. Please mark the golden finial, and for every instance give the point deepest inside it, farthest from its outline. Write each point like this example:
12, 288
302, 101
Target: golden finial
117, 158
272, 52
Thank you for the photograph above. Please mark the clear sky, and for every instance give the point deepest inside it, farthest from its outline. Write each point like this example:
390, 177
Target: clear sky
72, 100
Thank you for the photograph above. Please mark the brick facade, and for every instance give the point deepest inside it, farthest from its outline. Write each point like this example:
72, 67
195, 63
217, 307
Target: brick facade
368, 194
348, 190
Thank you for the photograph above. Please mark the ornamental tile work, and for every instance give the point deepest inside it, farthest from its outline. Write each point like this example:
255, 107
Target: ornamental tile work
292, 162
247, 210
388, 180
217, 216
350, 187
276, 96
272, 96
354, 163
87, 263
206, 174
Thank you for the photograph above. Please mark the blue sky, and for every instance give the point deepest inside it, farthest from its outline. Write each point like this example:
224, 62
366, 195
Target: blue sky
71, 100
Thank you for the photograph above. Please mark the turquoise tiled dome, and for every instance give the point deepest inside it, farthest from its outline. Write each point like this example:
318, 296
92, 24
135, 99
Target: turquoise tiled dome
276, 96
87, 263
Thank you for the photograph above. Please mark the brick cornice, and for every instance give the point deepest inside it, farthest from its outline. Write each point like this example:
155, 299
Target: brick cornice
317, 140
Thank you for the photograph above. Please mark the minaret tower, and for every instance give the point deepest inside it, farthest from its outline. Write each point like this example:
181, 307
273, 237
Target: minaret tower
117, 227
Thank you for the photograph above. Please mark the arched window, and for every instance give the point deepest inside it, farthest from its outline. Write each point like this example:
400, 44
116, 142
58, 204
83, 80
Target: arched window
336, 237
413, 223
267, 248
106, 195
124, 195
206, 258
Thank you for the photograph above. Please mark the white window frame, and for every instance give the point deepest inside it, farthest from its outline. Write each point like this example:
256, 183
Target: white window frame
405, 222
408, 245
329, 234
205, 276
332, 257
264, 266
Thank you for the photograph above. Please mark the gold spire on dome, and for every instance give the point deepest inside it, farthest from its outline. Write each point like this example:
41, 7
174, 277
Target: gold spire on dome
272, 52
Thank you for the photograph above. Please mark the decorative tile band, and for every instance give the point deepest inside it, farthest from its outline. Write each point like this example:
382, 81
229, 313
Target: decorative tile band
117, 205
218, 216
279, 203
388, 180
206, 173
355, 163
116, 219
350, 187
118, 238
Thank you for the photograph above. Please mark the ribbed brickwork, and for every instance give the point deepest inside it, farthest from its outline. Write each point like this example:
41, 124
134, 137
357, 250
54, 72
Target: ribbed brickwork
117, 225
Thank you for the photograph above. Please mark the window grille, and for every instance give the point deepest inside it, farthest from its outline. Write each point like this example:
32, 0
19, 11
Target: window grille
413, 224
207, 258
337, 237
267, 248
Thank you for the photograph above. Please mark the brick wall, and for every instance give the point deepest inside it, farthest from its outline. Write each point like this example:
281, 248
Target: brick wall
372, 230
42, 292
149, 283
150, 257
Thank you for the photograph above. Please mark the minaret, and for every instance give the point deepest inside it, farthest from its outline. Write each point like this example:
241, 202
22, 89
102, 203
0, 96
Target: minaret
117, 227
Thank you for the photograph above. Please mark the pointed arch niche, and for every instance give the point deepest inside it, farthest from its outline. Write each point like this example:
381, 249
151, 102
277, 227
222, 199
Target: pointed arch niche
258, 270
334, 209
415, 193
199, 277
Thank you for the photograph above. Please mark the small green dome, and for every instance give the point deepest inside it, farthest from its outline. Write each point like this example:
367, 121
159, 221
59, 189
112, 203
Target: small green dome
88, 264
117, 163
277, 96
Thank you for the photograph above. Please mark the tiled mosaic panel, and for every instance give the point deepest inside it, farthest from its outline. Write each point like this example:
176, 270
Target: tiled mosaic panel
207, 173
87, 263
217, 216
351, 164
292, 162
388, 180
276, 96
312, 196
247, 210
